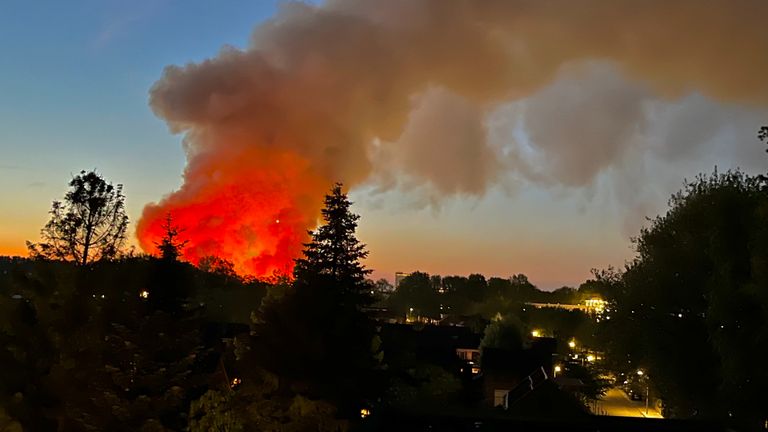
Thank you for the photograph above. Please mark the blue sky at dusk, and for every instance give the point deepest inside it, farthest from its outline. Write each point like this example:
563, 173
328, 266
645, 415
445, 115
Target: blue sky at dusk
74, 82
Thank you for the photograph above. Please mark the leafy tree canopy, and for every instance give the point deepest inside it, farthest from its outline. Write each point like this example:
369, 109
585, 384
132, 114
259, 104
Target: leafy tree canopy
694, 308
504, 333
88, 225
417, 292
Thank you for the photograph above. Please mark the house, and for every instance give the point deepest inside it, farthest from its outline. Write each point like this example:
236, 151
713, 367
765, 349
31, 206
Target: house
450, 347
508, 375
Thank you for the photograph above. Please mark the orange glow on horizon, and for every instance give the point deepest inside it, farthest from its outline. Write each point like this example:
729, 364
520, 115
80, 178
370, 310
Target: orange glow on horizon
13, 249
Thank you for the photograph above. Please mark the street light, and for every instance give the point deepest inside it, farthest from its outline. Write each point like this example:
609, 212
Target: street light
572, 343
642, 375
558, 369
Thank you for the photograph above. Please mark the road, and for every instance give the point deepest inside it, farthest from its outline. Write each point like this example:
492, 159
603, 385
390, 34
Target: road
617, 403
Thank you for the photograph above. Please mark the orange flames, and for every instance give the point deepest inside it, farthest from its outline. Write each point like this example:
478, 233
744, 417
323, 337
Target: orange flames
252, 208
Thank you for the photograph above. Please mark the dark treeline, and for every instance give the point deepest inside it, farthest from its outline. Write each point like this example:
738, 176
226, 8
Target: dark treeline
434, 295
475, 301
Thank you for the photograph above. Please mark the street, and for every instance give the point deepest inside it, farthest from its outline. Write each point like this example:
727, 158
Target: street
617, 403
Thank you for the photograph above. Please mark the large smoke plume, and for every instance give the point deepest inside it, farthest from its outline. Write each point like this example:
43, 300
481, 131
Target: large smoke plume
400, 92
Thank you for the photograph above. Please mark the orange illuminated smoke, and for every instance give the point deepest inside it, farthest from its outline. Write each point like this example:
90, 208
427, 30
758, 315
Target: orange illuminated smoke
252, 207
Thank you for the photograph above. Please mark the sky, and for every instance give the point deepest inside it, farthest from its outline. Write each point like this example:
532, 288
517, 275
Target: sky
569, 170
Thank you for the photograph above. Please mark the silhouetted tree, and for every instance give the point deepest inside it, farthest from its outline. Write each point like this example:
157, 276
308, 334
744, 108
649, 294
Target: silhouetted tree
605, 283
505, 333
593, 386
334, 253
86, 350
416, 291
88, 225
383, 286
142, 373
381, 290
170, 247
313, 335
214, 264
257, 405
694, 310
763, 135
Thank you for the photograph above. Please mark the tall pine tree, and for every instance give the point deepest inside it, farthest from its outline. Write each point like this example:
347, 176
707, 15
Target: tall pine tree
315, 337
333, 255
170, 247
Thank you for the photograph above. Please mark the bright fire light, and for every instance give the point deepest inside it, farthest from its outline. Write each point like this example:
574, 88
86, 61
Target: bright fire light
255, 214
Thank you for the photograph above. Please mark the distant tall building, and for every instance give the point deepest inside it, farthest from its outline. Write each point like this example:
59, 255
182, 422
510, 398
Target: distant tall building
399, 276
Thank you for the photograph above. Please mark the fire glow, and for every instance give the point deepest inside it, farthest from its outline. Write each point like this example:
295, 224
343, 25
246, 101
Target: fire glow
252, 209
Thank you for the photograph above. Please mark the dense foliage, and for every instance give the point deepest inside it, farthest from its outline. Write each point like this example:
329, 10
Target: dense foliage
693, 305
83, 349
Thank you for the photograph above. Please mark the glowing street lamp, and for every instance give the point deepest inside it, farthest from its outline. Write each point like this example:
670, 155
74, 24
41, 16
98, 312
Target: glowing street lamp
536, 333
642, 374
144, 294
558, 369
572, 343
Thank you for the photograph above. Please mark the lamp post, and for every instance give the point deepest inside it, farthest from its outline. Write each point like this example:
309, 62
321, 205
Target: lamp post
642, 375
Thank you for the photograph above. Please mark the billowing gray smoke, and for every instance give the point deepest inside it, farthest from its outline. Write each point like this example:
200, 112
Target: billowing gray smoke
380, 91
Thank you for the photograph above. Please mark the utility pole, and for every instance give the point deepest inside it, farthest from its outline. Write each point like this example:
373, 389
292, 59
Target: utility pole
646, 396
